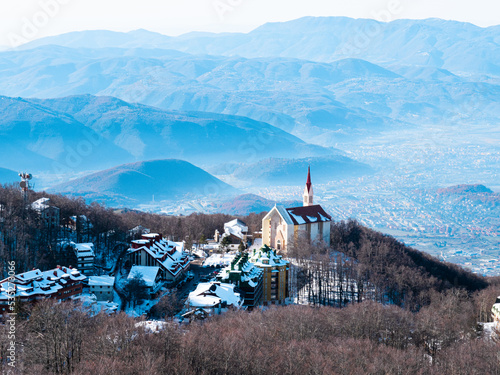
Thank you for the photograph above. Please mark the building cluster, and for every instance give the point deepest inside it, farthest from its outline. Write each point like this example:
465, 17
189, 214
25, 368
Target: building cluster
260, 275
59, 283
157, 260
250, 277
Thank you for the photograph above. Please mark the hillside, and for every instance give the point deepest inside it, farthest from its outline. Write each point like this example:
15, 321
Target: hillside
143, 182
291, 172
465, 189
246, 204
151, 133
37, 138
70, 135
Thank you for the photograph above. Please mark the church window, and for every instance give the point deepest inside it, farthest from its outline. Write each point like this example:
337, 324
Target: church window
279, 244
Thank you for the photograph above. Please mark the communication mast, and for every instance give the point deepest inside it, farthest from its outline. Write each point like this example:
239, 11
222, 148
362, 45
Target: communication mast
25, 184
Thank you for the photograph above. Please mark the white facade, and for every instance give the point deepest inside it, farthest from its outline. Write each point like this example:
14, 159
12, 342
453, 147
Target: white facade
102, 287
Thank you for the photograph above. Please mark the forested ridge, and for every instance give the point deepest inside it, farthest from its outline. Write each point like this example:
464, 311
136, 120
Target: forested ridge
422, 317
364, 338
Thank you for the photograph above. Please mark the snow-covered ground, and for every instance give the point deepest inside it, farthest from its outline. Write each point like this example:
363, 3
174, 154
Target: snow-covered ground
489, 332
152, 325
90, 301
219, 260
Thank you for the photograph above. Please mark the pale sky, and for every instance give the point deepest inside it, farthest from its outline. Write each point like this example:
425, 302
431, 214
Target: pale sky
32, 19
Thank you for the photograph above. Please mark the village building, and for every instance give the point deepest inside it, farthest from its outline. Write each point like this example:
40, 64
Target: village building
282, 226
137, 232
84, 253
247, 277
80, 222
151, 276
50, 214
214, 298
152, 250
237, 232
102, 287
495, 314
80, 254
59, 283
276, 272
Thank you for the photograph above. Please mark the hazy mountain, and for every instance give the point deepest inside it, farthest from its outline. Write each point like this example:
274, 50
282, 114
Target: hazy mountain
455, 46
465, 189
104, 39
8, 176
322, 103
150, 133
36, 138
247, 203
140, 183
294, 171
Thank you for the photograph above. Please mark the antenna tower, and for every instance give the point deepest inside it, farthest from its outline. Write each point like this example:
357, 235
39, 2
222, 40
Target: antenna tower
25, 184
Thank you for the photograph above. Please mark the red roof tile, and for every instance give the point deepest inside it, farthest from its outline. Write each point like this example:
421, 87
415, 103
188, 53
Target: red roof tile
308, 214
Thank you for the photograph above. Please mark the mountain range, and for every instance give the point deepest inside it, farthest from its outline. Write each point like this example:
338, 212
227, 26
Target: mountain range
455, 46
325, 101
264, 104
72, 134
144, 182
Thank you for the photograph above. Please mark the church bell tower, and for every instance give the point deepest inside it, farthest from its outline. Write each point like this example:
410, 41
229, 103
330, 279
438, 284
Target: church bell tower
308, 190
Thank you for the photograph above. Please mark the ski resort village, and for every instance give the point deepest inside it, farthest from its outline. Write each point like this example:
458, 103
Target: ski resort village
105, 272
236, 269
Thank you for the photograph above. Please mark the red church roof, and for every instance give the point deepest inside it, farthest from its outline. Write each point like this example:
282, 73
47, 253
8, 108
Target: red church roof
308, 214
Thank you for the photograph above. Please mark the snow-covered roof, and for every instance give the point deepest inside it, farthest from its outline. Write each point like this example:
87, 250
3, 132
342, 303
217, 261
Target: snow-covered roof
246, 271
266, 257
148, 274
40, 204
84, 249
308, 214
219, 260
236, 228
213, 293
168, 254
282, 212
301, 215
39, 283
101, 280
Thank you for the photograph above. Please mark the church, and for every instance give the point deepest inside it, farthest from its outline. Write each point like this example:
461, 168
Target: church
282, 225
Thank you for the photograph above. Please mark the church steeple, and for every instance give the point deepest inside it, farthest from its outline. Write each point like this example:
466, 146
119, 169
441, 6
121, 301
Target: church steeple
308, 190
